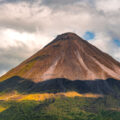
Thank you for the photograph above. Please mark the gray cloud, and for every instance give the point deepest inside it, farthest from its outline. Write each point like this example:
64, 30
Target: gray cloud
13, 1
13, 56
59, 2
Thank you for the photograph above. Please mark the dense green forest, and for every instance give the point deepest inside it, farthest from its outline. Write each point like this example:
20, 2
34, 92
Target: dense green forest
62, 108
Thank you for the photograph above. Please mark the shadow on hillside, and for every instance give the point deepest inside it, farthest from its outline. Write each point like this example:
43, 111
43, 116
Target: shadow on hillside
108, 86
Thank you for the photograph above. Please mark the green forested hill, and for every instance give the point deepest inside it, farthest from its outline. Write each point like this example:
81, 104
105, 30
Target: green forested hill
62, 108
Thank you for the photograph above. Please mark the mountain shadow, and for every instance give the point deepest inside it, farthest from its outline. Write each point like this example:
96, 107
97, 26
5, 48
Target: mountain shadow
108, 86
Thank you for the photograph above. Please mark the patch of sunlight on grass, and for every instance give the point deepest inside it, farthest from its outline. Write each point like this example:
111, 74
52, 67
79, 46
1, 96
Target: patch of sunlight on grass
43, 96
10, 96
76, 94
2, 108
37, 97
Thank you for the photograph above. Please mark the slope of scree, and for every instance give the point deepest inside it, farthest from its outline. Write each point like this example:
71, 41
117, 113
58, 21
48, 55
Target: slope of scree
67, 56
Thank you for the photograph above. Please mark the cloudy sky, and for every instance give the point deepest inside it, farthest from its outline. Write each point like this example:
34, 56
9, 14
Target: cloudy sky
28, 25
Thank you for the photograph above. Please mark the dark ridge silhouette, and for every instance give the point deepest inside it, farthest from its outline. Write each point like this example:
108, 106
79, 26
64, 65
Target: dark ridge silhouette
108, 86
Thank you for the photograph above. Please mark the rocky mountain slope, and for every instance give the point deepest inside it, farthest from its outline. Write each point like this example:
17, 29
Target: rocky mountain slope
67, 56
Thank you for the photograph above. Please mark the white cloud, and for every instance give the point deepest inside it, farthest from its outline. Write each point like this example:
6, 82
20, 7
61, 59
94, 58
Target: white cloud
106, 44
2, 73
108, 5
13, 38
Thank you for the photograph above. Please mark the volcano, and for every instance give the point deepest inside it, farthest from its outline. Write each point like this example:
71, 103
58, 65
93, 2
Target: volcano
71, 78
67, 56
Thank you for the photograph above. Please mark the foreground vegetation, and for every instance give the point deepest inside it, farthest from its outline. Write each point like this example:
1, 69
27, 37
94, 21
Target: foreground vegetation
62, 108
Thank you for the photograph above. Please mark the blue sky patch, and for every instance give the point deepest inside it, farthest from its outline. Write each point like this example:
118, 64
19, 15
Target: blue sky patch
89, 35
117, 42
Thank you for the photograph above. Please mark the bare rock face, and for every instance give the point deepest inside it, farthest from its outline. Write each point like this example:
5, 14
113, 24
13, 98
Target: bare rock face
68, 56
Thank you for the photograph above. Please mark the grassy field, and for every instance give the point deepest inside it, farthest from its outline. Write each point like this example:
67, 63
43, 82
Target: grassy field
62, 108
